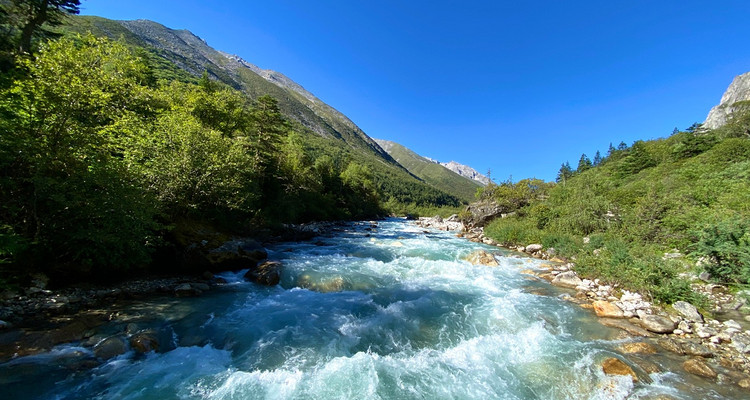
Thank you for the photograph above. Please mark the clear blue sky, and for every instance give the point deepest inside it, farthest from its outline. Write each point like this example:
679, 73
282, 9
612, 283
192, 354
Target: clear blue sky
517, 87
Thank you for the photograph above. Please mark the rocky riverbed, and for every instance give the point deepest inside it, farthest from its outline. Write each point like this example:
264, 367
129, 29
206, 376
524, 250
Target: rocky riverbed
713, 348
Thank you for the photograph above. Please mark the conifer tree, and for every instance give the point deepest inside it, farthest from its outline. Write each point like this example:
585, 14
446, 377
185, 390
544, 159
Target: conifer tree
584, 163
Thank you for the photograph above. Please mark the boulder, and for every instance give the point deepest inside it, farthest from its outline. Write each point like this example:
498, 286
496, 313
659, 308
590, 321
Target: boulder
110, 348
606, 309
696, 366
533, 248
615, 366
567, 279
657, 323
236, 254
625, 326
688, 311
695, 349
671, 345
481, 257
637, 348
186, 290
144, 342
480, 213
267, 273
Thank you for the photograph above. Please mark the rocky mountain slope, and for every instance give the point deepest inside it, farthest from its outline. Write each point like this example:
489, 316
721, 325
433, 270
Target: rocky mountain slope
737, 93
431, 171
467, 172
181, 55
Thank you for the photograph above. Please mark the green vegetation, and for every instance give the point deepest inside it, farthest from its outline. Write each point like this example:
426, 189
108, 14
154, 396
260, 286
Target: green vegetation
108, 146
690, 192
431, 172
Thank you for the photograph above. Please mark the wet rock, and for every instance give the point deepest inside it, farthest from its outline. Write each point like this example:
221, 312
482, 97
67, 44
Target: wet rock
625, 326
606, 309
698, 367
200, 286
567, 279
267, 273
657, 323
236, 254
614, 366
481, 257
144, 342
694, 349
671, 345
110, 347
687, 310
637, 348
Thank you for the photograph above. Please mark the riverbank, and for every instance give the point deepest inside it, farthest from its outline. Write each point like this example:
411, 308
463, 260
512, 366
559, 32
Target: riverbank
713, 348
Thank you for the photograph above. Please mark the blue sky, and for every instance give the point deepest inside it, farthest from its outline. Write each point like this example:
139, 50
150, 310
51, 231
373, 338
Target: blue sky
518, 87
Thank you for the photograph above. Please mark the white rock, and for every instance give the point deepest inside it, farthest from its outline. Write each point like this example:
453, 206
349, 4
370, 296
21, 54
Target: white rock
732, 324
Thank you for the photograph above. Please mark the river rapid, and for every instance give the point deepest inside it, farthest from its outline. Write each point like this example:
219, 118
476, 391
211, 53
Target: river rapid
370, 311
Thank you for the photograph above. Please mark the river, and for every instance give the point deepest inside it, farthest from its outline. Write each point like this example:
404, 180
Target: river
367, 312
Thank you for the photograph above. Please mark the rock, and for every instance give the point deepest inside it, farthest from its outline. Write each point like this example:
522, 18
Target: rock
705, 332
684, 326
452, 218
480, 213
694, 349
737, 93
704, 276
200, 286
687, 310
671, 345
533, 248
39, 280
637, 348
236, 254
741, 343
625, 326
185, 290
567, 279
4, 325
481, 257
144, 342
696, 366
614, 366
657, 323
110, 347
267, 273
207, 275
606, 309
732, 324
744, 383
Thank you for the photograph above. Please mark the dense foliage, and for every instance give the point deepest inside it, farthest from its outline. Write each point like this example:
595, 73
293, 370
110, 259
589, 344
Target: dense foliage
98, 158
689, 192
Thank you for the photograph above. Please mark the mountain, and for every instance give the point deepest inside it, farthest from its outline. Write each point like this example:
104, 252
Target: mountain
432, 171
737, 93
181, 55
467, 172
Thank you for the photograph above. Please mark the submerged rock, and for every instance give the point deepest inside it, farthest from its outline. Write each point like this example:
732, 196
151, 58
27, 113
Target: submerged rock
696, 366
637, 348
481, 257
144, 342
615, 366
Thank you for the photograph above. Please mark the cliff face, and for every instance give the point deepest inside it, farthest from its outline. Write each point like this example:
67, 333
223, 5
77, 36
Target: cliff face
467, 172
738, 91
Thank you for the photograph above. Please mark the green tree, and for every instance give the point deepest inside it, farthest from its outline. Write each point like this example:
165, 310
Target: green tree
24, 19
565, 173
597, 159
584, 163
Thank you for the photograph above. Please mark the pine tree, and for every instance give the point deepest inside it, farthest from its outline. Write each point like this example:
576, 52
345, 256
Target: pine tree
584, 163
597, 158
565, 173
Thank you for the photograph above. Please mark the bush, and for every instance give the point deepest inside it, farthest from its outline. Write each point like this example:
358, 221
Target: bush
513, 230
726, 245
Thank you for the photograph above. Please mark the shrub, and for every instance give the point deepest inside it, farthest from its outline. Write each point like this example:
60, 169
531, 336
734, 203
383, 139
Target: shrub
726, 245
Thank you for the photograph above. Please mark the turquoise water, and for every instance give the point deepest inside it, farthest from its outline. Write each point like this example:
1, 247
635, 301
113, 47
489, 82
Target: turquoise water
388, 313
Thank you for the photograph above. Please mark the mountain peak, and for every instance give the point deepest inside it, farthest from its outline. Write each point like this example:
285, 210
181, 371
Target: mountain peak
738, 91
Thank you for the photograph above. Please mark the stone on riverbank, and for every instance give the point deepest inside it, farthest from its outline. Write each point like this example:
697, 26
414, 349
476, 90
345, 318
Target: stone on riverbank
687, 310
606, 309
567, 279
657, 323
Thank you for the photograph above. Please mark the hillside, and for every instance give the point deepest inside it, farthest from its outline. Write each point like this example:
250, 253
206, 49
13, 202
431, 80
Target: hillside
431, 172
687, 195
179, 54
